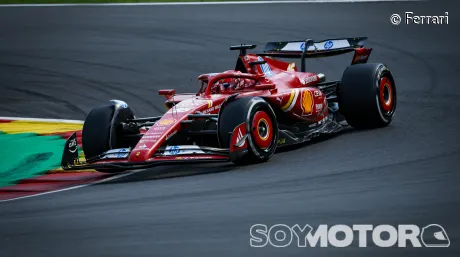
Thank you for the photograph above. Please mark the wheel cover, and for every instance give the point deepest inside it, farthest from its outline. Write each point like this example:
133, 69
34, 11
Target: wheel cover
262, 129
386, 94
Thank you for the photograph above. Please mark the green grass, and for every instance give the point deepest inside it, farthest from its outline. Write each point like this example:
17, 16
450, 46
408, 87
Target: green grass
97, 1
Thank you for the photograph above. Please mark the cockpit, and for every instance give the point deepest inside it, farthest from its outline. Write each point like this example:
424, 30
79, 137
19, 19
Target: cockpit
228, 84
232, 85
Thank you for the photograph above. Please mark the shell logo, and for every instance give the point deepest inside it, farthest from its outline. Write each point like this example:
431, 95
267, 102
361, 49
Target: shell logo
166, 122
307, 103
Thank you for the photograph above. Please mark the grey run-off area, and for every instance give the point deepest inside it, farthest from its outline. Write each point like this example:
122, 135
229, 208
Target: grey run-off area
59, 62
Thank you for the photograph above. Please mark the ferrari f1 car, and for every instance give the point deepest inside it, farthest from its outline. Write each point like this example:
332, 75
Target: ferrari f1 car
241, 115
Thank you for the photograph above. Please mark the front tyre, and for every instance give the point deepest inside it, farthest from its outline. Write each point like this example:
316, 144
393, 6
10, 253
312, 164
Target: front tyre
367, 95
260, 126
102, 130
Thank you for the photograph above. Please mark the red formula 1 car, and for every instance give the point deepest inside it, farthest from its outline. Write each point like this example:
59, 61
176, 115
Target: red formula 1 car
242, 115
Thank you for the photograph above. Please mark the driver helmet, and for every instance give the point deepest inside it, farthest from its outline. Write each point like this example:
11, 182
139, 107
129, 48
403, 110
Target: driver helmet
227, 85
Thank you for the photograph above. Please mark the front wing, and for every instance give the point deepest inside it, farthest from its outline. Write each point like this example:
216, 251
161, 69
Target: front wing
71, 159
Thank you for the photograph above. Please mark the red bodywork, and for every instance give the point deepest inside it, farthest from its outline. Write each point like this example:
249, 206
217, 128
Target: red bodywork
297, 99
279, 83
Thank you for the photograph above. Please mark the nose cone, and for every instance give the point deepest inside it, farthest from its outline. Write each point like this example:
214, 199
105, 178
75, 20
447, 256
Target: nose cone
190, 105
154, 137
169, 125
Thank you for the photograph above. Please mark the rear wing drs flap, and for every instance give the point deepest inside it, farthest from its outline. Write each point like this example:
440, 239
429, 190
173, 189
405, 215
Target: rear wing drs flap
311, 49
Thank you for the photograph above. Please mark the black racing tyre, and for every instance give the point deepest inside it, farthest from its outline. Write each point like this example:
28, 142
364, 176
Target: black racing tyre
367, 95
102, 131
261, 125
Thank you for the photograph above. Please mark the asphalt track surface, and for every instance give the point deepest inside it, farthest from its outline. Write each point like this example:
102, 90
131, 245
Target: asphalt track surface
60, 62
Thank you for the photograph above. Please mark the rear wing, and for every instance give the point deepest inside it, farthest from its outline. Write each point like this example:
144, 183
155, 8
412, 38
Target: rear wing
311, 49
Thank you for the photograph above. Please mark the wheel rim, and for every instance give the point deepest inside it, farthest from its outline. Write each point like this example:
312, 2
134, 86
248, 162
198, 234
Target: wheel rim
262, 130
386, 94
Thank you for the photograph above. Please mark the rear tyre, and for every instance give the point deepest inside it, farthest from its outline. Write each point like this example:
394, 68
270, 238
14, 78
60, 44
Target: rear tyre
367, 95
261, 126
102, 130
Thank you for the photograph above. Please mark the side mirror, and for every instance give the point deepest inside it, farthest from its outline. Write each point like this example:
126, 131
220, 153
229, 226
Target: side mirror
167, 92
265, 87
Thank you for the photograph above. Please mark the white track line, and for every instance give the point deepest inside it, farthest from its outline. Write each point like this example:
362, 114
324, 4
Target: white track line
42, 120
203, 3
75, 187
